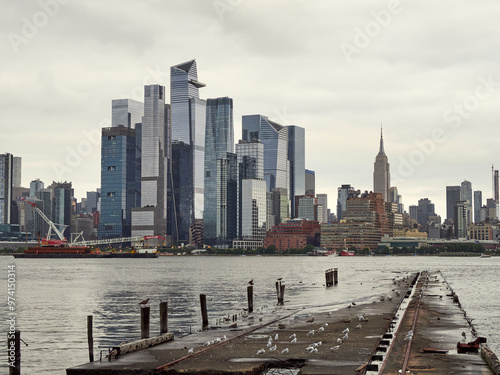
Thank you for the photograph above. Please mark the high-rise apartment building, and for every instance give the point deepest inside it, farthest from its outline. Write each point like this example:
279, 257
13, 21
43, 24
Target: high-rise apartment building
118, 182
16, 172
460, 219
154, 163
188, 118
62, 201
254, 211
36, 185
296, 158
466, 195
221, 176
425, 210
6, 174
381, 172
126, 112
323, 202
310, 177
478, 203
452, 197
344, 192
274, 137
250, 159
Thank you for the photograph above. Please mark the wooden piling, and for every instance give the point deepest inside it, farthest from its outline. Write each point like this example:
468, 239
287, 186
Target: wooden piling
204, 314
90, 338
163, 317
335, 276
145, 322
250, 298
280, 291
329, 277
14, 352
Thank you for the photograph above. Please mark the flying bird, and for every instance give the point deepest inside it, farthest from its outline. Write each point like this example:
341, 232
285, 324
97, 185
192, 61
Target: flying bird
144, 302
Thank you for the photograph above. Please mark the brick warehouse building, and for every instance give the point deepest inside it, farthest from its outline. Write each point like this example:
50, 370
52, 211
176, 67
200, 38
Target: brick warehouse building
293, 234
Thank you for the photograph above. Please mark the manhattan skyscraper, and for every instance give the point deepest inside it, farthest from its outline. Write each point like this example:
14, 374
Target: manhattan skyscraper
188, 116
381, 172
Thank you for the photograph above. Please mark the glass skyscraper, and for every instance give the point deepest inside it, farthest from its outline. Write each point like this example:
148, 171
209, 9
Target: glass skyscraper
188, 116
275, 140
154, 166
62, 200
6, 172
118, 181
254, 209
296, 157
219, 215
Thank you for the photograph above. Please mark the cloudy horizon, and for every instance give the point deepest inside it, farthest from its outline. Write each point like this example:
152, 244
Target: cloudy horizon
428, 72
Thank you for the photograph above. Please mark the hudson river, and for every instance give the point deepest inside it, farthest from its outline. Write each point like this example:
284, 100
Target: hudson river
54, 297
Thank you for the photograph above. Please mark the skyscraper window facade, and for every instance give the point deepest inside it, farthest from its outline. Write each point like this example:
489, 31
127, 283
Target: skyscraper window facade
220, 173
188, 117
274, 137
254, 209
296, 157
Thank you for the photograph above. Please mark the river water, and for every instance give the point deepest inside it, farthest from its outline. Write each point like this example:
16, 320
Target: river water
54, 296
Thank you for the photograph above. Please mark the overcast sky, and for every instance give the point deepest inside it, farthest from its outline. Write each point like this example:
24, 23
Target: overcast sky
427, 70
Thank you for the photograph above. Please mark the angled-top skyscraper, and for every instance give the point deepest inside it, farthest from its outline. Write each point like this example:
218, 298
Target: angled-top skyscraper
381, 172
188, 119
274, 137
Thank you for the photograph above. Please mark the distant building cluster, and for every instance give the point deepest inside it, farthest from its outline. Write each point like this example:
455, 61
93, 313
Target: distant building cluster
173, 170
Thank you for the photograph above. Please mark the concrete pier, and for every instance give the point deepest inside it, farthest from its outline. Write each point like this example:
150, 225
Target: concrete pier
367, 338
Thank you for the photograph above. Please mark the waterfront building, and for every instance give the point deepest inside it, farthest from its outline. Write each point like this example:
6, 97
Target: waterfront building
151, 216
480, 232
344, 192
310, 177
478, 203
425, 210
293, 234
188, 119
274, 137
466, 195
307, 207
364, 222
278, 207
250, 159
118, 182
253, 209
6, 174
394, 218
221, 174
381, 172
296, 158
460, 219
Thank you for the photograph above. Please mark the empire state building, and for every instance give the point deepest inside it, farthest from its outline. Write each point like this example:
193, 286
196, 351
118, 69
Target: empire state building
381, 172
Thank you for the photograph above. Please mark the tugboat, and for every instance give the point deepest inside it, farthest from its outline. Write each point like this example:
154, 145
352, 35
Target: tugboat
345, 252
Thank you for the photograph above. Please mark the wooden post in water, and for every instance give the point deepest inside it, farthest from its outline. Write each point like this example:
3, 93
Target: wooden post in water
90, 338
250, 298
14, 352
145, 322
329, 277
335, 276
280, 291
163, 317
204, 314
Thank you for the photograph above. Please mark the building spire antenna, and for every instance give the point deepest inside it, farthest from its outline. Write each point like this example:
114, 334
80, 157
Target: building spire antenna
381, 150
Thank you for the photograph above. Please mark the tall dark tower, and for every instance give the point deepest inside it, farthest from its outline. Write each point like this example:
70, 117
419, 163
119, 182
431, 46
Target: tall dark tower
381, 172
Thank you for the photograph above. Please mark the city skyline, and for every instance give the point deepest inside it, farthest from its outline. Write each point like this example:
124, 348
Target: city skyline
437, 97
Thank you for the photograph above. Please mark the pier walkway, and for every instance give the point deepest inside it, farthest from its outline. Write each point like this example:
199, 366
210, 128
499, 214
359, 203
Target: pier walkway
372, 338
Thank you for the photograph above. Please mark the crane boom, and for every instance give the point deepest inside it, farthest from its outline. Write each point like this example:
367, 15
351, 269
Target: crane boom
52, 226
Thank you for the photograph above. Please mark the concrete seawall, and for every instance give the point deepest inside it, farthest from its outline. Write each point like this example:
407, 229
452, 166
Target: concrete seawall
392, 335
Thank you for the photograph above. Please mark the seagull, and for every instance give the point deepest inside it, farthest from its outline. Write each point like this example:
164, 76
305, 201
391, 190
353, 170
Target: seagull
336, 347
358, 326
325, 325
261, 351
321, 329
279, 279
310, 320
273, 348
346, 330
251, 282
339, 340
293, 336
144, 302
464, 335
284, 351
276, 337
294, 340
190, 351
345, 337
310, 333
269, 343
